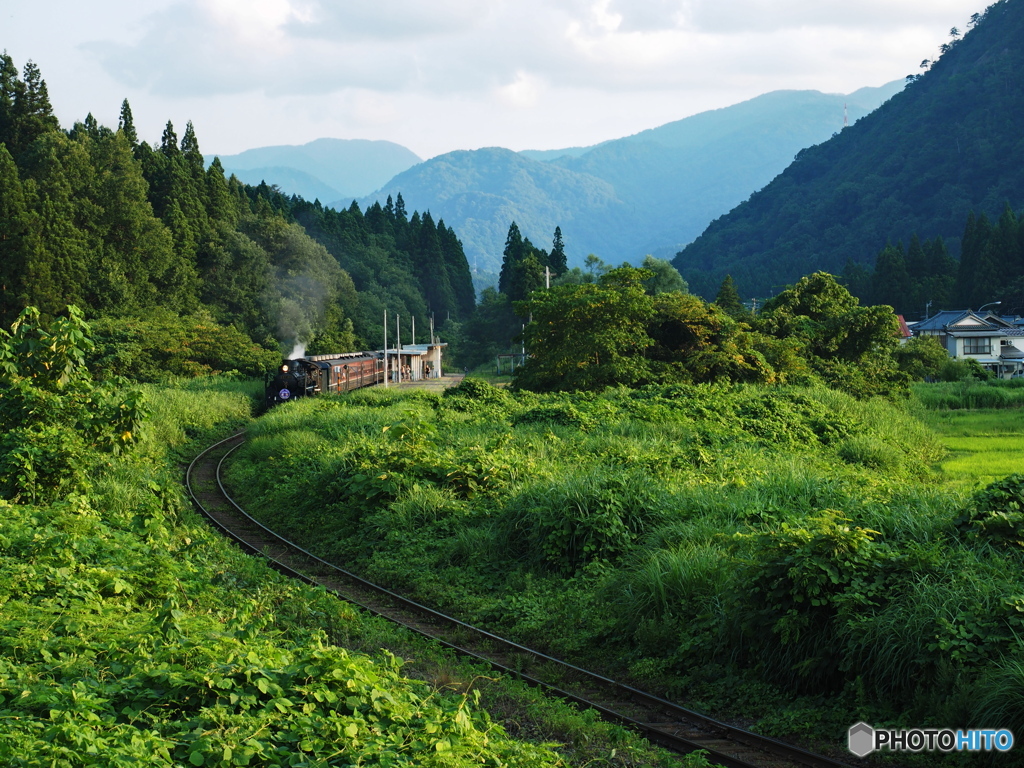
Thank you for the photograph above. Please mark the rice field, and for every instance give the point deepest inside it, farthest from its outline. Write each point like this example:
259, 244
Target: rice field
983, 444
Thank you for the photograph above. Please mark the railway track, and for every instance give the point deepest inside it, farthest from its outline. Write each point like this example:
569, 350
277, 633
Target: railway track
660, 721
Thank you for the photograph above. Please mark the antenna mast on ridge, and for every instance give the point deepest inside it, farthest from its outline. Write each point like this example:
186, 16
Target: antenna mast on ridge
846, 117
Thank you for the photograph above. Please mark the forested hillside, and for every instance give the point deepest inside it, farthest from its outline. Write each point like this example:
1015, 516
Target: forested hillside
923, 277
169, 252
949, 144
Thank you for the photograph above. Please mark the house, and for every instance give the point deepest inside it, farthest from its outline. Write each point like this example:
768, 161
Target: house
997, 343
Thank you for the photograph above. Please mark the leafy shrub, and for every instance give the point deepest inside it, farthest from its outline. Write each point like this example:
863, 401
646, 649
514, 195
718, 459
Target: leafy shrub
478, 390
57, 420
790, 418
996, 513
42, 462
563, 414
150, 348
796, 581
583, 518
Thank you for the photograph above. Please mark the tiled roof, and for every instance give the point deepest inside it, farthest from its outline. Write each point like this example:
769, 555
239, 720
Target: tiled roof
939, 320
947, 321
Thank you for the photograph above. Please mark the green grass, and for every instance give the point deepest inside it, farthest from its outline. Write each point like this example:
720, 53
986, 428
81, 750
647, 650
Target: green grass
779, 538
128, 628
983, 445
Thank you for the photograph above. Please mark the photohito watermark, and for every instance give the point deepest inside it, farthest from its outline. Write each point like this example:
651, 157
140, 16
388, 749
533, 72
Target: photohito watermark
863, 740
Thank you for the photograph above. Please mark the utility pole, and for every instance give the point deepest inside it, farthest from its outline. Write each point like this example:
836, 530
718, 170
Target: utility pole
547, 277
414, 330
385, 349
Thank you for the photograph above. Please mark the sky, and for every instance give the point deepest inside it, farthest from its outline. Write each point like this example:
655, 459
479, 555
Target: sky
454, 74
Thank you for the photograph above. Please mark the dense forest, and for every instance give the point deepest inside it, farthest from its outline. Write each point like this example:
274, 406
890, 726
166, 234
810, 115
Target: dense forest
924, 277
164, 250
948, 144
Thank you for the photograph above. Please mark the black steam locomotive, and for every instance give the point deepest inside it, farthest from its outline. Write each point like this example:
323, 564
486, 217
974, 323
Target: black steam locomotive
314, 374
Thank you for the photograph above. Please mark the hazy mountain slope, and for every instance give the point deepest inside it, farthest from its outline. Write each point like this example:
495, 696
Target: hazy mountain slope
631, 196
350, 167
485, 190
949, 143
290, 180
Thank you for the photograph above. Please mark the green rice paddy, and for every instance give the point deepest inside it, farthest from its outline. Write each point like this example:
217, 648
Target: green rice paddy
983, 444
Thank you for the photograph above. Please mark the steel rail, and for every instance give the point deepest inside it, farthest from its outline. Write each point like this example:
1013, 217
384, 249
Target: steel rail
664, 738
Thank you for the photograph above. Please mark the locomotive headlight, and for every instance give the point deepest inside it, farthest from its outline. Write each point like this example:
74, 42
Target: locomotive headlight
284, 369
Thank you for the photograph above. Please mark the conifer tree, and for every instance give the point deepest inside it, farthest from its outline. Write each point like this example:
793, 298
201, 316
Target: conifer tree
457, 269
891, 282
126, 124
556, 259
190, 151
25, 111
511, 256
728, 299
169, 141
58, 266
136, 246
978, 276
10, 86
221, 206
15, 240
33, 112
430, 267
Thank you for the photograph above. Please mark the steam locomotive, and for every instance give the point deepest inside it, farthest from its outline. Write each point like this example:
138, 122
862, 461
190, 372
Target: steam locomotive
313, 374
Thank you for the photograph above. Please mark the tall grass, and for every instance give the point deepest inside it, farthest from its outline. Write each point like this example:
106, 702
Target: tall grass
958, 395
521, 509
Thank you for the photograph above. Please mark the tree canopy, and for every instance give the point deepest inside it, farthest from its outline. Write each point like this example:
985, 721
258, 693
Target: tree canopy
589, 336
127, 230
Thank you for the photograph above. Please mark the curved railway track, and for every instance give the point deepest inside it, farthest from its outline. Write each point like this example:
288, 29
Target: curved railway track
660, 721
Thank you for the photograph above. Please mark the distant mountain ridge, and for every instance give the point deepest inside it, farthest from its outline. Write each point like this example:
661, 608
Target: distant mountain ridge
950, 143
621, 199
324, 169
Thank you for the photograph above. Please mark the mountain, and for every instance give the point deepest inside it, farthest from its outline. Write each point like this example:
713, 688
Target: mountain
326, 169
621, 199
291, 181
486, 189
948, 144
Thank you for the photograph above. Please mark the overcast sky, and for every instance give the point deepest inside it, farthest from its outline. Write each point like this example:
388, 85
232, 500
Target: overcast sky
454, 74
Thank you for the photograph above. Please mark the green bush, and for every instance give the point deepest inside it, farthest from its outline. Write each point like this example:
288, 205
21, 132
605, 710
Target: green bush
58, 422
151, 348
575, 521
996, 513
477, 390
795, 582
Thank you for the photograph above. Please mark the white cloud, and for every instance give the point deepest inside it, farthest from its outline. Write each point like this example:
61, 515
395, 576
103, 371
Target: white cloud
524, 91
461, 46
458, 73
